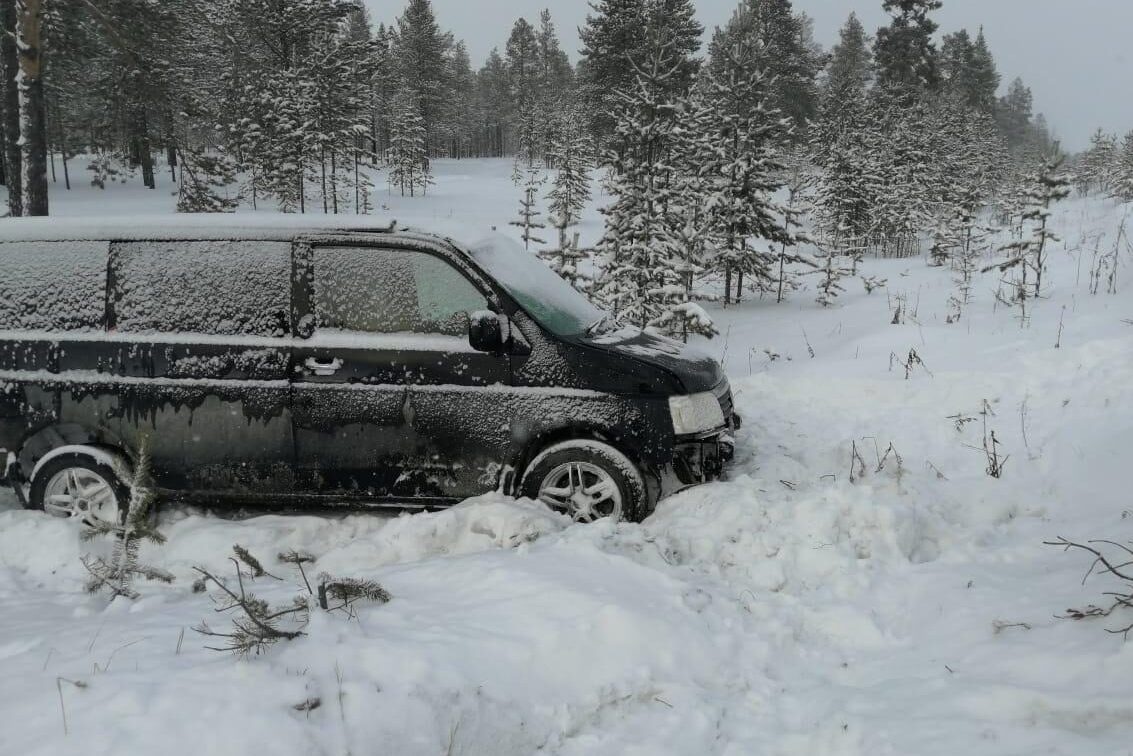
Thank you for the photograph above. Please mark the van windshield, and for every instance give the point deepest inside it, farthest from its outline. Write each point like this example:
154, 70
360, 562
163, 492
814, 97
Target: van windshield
554, 303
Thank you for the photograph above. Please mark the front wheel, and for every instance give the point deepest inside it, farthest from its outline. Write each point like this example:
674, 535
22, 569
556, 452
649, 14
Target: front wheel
78, 486
587, 480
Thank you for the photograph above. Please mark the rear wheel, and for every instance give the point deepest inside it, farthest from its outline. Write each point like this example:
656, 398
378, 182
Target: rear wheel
77, 486
588, 481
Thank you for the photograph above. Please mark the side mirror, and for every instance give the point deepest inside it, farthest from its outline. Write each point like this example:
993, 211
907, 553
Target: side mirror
485, 333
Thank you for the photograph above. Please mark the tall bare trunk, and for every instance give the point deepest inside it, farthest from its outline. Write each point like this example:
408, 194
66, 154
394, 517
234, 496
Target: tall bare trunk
9, 68
334, 180
33, 119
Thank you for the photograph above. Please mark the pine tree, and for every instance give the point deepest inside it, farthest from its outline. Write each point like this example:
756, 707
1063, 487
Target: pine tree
841, 146
384, 83
1015, 111
422, 50
529, 213
570, 191
1048, 186
907, 62
781, 44
554, 88
409, 161
906, 194
523, 77
617, 32
1099, 163
643, 274
983, 77
851, 63
1123, 178
462, 113
613, 33
493, 107
744, 171
690, 218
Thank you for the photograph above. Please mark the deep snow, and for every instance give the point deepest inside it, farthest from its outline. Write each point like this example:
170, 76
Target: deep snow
783, 611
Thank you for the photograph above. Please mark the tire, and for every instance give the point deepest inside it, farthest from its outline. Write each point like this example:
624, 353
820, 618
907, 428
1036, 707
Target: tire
101, 493
604, 482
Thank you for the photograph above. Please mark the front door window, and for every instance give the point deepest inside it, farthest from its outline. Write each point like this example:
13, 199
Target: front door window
389, 291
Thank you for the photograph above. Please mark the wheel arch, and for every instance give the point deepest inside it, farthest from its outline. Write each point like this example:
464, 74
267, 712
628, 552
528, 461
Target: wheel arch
550, 437
72, 438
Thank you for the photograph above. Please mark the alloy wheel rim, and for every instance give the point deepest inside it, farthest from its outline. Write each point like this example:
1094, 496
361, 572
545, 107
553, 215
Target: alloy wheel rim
82, 493
582, 490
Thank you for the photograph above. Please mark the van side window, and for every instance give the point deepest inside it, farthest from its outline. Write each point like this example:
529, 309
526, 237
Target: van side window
369, 290
222, 288
53, 286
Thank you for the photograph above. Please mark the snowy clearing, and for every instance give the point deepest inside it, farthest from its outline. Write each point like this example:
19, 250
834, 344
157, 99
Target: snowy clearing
783, 611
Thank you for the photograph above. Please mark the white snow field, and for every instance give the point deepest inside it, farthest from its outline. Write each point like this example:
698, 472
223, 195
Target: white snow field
786, 610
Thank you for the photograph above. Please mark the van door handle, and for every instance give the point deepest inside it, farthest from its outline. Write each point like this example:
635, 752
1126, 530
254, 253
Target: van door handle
323, 367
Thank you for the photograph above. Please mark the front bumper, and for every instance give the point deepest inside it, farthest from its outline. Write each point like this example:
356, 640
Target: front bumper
700, 460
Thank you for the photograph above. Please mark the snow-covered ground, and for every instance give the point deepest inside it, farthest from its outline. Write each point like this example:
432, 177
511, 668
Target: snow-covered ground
786, 610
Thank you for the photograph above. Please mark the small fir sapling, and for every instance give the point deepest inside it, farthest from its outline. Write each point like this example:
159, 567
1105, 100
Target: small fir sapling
972, 238
797, 181
944, 244
529, 213
204, 183
872, 283
570, 191
104, 169
1029, 253
116, 574
831, 272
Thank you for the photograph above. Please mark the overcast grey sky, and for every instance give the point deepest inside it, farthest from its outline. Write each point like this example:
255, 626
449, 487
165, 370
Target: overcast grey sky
1073, 53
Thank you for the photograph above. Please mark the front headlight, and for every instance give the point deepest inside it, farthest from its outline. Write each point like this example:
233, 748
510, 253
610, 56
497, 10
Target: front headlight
696, 413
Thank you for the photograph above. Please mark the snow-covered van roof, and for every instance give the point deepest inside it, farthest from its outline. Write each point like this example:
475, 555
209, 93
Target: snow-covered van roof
206, 227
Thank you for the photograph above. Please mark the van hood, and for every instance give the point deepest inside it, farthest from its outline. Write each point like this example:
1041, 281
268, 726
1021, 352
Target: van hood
695, 369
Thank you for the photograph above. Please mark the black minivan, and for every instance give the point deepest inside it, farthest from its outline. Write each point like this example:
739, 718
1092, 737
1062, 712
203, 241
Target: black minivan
298, 365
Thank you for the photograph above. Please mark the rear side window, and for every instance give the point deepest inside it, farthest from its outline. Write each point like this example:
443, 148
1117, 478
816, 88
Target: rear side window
53, 286
370, 290
222, 288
